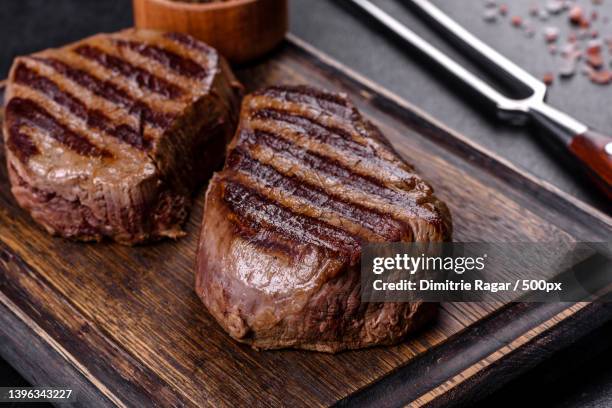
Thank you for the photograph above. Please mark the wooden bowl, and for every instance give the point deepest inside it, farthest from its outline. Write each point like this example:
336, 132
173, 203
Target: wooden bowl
241, 30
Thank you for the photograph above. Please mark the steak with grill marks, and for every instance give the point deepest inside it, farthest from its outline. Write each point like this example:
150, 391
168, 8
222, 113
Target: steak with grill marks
109, 136
307, 182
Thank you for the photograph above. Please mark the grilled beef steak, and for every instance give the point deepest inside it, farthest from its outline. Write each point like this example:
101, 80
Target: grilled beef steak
109, 136
306, 182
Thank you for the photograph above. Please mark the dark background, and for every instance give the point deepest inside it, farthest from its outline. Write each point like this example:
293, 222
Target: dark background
579, 376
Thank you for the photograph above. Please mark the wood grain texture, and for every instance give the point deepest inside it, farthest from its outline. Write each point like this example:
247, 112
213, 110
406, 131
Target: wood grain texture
127, 323
488, 345
241, 30
595, 150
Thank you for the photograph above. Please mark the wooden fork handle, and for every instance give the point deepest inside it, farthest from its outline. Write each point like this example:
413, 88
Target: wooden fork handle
594, 151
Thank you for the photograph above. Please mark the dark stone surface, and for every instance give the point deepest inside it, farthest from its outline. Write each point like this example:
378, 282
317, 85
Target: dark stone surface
30, 25
359, 44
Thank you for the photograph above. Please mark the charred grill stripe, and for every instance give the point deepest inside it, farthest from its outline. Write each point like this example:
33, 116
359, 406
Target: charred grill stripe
340, 139
182, 65
110, 92
25, 112
380, 224
27, 77
322, 164
124, 132
299, 92
250, 205
326, 102
93, 117
131, 136
189, 42
99, 87
20, 144
333, 136
144, 79
284, 245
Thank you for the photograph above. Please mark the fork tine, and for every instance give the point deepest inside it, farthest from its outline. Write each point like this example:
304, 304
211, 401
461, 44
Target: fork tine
502, 102
484, 50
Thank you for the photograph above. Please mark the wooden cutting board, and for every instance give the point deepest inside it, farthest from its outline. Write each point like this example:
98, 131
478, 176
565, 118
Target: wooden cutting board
123, 325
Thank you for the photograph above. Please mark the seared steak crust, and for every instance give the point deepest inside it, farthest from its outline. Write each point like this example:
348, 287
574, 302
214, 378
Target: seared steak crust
109, 136
307, 181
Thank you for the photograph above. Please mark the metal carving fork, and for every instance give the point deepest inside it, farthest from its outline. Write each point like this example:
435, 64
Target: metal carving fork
591, 149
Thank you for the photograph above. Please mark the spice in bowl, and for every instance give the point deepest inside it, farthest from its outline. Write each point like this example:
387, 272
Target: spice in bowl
201, 1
